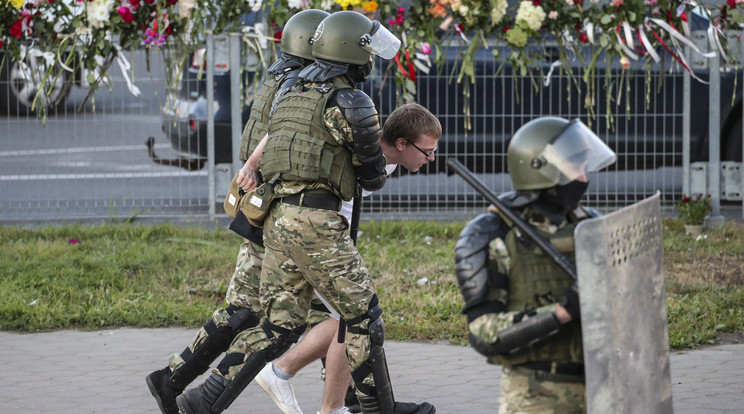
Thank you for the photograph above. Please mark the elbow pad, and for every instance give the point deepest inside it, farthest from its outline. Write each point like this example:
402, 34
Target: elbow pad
372, 177
471, 260
361, 114
519, 336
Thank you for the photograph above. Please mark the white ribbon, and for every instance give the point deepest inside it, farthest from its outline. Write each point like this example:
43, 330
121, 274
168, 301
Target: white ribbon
675, 34
589, 26
681, 55
125, 66
646, 44
628, 35
422, 62
715, 42
550, 72
631, 54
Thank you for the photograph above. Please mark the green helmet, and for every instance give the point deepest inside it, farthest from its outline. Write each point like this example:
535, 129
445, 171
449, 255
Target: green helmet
551, 151
350, 37
298, 31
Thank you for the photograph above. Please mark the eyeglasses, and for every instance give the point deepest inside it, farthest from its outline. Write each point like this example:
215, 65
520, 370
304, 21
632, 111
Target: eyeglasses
426, 154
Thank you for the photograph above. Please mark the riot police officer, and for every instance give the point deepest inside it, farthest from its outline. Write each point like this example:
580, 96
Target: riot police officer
244, 309
522, 308
323, 147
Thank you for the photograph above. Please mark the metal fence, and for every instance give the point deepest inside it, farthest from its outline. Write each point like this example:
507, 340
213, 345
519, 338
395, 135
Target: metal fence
90, 162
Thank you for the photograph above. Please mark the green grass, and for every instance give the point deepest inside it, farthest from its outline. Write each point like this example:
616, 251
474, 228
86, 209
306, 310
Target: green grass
166, 275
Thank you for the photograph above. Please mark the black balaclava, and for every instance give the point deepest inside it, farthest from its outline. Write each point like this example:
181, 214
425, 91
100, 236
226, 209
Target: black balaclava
566, 196
359, 73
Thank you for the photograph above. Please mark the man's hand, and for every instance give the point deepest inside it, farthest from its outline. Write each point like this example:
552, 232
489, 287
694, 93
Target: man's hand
248, 176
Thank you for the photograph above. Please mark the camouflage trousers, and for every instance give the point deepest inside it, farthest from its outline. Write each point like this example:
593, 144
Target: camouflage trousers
522, 391
309, 249
242, 292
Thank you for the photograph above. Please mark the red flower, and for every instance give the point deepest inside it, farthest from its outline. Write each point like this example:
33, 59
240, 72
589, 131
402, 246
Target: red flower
536, 2
125, 14
731, 3
278, 37
584, 38
1, 43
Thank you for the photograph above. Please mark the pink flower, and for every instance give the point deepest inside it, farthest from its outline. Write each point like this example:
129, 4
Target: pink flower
425, 48
553, 15
125, 14
73, 241
625, 62
651, 2
616, 3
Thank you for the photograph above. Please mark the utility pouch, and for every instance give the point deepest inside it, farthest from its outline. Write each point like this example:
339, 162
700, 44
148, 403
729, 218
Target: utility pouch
256, 203
233, 198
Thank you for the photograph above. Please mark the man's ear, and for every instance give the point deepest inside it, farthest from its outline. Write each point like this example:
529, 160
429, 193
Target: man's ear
400, 144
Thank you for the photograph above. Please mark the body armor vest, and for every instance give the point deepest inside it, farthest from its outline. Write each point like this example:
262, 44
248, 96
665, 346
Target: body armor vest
301, 149
535, 280
258, 122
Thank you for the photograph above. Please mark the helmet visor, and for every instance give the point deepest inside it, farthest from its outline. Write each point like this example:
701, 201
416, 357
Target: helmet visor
380, 42
577, 151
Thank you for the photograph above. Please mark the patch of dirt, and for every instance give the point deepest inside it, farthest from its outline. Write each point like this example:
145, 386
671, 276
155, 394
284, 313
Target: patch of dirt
726, 338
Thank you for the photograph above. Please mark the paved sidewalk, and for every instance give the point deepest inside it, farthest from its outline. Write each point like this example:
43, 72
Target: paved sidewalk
104, 372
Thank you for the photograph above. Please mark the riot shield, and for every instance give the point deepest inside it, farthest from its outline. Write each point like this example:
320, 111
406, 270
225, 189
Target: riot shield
623, 311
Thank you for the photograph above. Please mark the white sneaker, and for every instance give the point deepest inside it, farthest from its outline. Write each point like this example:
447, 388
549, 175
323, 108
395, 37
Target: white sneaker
343, 410
280, 391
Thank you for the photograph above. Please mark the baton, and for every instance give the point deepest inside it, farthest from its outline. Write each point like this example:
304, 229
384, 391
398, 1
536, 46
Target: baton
543, 244
356, 212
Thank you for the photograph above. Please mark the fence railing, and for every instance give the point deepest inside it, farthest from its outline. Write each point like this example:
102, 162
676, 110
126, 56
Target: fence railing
94, 164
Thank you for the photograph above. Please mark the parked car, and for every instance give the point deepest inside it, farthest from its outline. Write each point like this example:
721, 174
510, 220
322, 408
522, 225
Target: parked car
20, 83
643, 126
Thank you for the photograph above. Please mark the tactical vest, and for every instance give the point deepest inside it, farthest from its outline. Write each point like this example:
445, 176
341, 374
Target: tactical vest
258, 122
301, 149
534, 276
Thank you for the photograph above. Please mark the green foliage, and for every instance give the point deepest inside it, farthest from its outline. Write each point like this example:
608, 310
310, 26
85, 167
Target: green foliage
93, 277
692, 210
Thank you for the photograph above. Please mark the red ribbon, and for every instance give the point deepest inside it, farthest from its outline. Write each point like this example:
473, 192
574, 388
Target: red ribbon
411, 73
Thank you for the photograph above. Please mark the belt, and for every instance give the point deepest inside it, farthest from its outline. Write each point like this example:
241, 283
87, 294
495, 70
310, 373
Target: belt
322, 199
554, 368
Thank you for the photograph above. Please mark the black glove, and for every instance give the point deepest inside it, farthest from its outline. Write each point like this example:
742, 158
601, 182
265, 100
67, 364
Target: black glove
571, 303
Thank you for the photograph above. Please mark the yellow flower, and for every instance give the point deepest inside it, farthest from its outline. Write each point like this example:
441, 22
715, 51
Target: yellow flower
370, 6
16, 3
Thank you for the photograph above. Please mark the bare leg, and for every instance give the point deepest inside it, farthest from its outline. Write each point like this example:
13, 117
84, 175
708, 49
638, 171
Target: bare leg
338, 376
313, 346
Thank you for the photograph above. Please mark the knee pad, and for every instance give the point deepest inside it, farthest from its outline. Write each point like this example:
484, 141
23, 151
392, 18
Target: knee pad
376, 327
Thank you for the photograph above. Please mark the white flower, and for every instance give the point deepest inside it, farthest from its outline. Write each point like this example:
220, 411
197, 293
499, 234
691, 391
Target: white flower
464, 10
327, 4
99, 12
570, 2
498, 12
531, 15
294, 4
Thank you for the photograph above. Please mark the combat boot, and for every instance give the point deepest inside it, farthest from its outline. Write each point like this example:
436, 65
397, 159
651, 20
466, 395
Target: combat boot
351, 402
371, 405
200, 400
164, 392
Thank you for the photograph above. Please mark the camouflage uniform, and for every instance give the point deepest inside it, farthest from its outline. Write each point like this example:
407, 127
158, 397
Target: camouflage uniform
298, 261
524, 389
